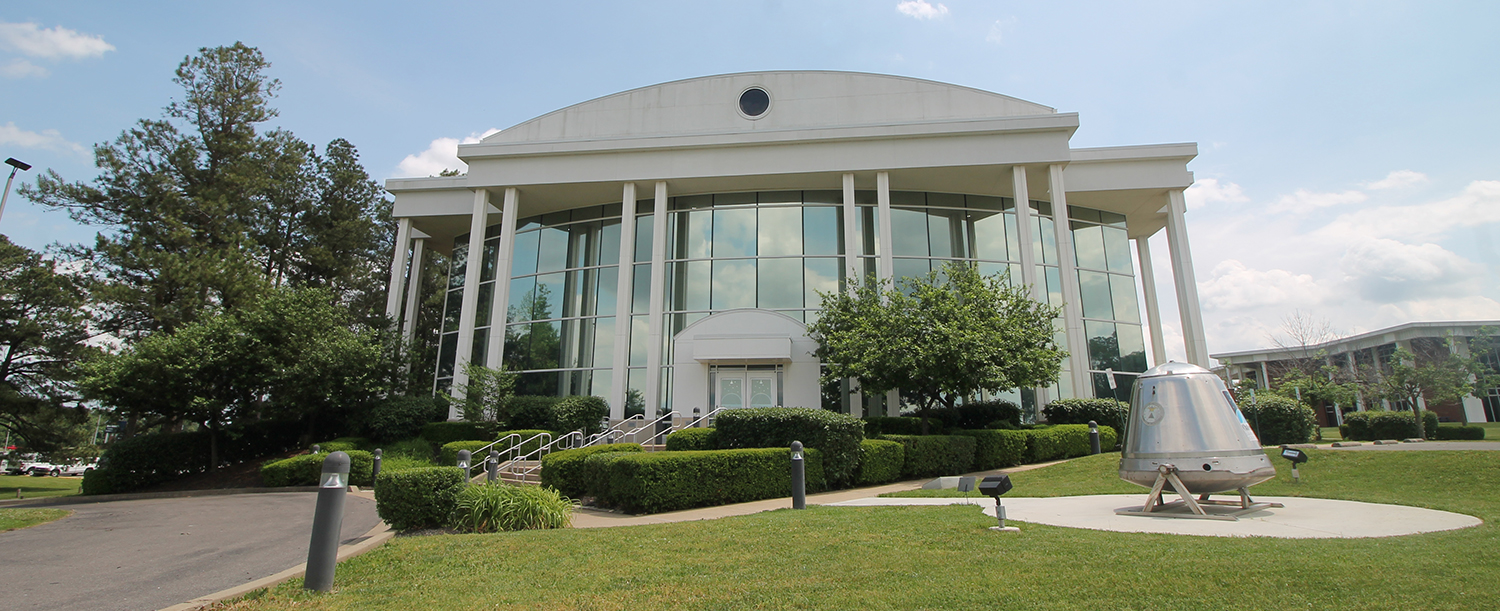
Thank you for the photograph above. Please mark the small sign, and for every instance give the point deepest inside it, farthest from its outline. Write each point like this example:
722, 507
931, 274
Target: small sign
333, 480
1152, 413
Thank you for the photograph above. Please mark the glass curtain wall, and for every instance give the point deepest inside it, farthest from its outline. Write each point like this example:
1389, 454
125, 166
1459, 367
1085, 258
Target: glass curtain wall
1106, 288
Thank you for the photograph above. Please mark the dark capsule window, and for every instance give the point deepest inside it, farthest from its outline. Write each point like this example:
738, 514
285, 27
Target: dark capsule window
754, 102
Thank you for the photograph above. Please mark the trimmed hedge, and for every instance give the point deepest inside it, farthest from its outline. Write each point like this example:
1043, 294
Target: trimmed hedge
997, 448
448, 454
307, 469
1278, 420
345, 444
935, 455
878, 426
564, 470
584, 413
147, 460
880, 461
418, 498
532, 412
1370, 426
1106, 412
836, 435
686, 440
1063, 441
977, 415
653, 482
1459, 433
440, 433
397, 418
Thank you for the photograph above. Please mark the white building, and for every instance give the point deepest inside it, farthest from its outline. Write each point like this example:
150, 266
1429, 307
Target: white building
671, 240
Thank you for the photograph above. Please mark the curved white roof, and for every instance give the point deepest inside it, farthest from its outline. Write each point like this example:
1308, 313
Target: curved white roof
799, 99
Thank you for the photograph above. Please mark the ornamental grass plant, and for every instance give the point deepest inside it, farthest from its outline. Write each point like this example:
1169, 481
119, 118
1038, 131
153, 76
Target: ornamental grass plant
499, 507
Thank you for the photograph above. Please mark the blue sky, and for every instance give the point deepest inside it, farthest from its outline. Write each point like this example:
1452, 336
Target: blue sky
1348, 165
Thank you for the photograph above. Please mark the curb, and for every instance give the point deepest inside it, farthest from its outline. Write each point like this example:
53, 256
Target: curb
372, 539
134, 496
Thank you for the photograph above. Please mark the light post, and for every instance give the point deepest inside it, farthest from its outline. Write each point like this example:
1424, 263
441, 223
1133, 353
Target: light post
16, 165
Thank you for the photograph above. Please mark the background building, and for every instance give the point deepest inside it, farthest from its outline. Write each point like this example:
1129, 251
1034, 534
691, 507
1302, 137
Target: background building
669, 242
1372, 351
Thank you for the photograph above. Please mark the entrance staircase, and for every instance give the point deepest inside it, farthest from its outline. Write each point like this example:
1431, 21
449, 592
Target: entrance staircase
526, 468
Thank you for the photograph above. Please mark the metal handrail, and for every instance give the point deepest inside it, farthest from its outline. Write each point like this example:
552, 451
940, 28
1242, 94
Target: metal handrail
705, 417
509, 451
543, 451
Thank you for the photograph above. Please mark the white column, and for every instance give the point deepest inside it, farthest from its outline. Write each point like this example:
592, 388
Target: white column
413, 291
1265, 377
1185, 280
1078, 343
398, 269
1473, 407
658, 298
887, 261
619, 383
1023, 234
1153, 310
494, 354
851, 230
852, 248
478, 219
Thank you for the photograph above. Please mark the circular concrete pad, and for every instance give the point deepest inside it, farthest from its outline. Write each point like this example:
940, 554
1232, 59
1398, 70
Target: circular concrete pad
1301, 518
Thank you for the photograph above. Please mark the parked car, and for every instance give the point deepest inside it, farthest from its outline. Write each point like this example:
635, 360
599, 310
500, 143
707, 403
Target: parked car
80, 468
42, 469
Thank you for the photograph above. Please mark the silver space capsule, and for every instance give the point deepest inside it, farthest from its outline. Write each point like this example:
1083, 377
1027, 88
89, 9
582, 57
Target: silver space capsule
1183, 420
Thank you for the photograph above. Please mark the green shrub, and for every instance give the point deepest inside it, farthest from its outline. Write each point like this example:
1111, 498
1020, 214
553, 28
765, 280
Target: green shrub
498, 507
653, 482
685, 440
448, 455
1063, 441
935, 455
418, 498
1370, 426
580, 413
532, 412
564, 470
976, 415
147, 460
1106, 412
997, 448
836, 435
1461, 432
396, 418
440, 433
402, 462
416, 448
878, 426
307, 469
880, 461
345, 444
1278, 420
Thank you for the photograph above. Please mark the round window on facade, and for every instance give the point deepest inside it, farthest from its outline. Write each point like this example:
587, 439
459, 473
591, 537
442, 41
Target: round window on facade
754, 102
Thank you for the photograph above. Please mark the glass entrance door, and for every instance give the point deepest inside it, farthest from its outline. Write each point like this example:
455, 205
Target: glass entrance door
762, 389
738, 387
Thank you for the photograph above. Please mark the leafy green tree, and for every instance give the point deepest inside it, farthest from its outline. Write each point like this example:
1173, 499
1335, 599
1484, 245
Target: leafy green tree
485, 395
1329, 385
938, 338
43, 336
1407, 380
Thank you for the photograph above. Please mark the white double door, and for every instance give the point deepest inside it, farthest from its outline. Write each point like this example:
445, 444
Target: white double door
736, 389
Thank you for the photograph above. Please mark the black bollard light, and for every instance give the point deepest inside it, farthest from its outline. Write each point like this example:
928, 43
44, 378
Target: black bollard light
375, 468
1093, 437
328, 520
316, 448
492, 470
463, 462
799, 477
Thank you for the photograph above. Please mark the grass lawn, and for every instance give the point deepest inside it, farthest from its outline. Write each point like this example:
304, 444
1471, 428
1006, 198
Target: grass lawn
945, 558
21, 517
33, 487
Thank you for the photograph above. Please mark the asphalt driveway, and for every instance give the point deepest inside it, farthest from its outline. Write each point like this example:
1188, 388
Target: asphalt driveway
155, 553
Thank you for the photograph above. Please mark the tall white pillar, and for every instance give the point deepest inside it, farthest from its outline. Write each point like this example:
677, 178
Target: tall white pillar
658, 299
1185, 280
1473, 406
1067, 268
413, 291
1153, 310
852, 248
478, 220
1265, 377
1023, 234
619, 382
494, 354
887, 261
398, 269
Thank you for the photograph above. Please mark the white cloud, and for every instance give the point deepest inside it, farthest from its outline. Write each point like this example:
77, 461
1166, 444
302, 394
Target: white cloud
1398, 178
1387, 271
51, 43
1479, 204
20, 68
441, 155
1235, 286
1472, 307
920, 9
1208, 190
47, 139
997, 30
1303, 200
